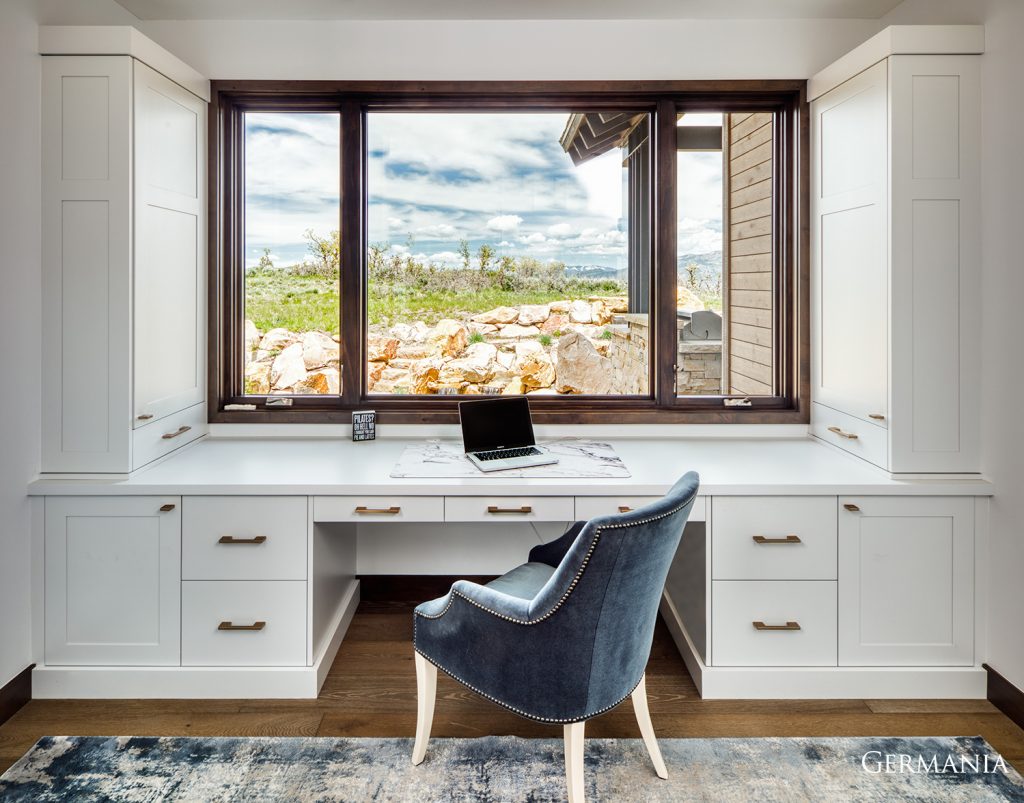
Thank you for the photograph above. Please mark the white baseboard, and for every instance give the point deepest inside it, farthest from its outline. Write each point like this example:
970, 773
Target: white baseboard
817, 683
186, 682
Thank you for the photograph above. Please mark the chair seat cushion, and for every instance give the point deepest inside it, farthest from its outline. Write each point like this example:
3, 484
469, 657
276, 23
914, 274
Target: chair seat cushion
523, 581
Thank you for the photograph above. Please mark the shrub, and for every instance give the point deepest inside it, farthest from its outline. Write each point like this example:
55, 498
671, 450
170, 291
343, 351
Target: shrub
476, 337
545, 340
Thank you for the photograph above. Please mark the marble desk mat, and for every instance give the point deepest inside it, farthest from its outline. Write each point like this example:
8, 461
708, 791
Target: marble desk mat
575, 459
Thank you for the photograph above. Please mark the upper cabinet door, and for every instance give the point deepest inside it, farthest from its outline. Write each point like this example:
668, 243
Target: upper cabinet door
849, 262
906, 581
170, 248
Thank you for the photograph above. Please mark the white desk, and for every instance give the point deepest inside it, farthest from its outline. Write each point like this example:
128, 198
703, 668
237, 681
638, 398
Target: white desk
916, 543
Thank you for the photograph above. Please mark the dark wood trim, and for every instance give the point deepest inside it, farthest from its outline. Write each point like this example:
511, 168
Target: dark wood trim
16, 693
662, 99
1005, 696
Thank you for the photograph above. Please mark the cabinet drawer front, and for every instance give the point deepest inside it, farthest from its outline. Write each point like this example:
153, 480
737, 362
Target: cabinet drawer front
244, 538
773, 538
589, 507
774, 604
243, 623
868, 441
169, 433
509, 508
378, 508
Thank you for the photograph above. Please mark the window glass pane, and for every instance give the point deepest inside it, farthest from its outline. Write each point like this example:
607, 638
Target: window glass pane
292, 286
725, 296
508, 253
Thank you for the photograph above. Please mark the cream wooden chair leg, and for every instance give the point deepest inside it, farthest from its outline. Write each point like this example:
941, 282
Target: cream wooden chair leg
426, 691
574, 761
643, 718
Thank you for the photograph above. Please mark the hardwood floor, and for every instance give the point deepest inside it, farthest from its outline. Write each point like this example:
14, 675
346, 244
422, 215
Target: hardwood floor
371, 691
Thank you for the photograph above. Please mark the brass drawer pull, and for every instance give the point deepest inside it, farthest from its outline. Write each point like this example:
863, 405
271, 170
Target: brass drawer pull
851, 508
789, 539
145, 417
230, 539
496, 509
181, 431
876, 416
848, 435
787, 626
625, 509
381, 511
166, 508
231, 626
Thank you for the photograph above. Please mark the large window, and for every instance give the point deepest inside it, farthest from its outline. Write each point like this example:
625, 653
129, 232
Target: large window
614, 256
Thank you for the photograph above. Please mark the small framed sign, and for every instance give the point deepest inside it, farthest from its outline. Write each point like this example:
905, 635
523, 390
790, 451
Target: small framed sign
364, 425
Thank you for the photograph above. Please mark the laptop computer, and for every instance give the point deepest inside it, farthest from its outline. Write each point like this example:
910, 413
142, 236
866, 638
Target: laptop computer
497, 434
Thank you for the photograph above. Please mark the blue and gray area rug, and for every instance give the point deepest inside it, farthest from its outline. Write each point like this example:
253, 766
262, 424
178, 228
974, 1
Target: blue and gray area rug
137, 768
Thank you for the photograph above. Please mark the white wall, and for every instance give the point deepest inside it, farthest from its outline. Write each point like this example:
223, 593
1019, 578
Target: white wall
1002, 292
19, 322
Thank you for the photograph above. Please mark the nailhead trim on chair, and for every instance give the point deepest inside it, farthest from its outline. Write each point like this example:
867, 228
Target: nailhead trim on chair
572, 585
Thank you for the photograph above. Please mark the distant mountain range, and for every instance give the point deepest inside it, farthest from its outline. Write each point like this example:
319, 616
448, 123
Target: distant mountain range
709, 268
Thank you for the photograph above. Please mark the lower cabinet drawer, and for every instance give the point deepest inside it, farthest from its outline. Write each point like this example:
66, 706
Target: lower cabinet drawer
773, 623
509, 508
243, 623
868, 441
590, 507
378, 508
164, 436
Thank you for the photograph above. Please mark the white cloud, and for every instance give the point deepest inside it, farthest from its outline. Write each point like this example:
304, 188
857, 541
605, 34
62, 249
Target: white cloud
533, 238
445, 258
504, 223
438, 231
395, 222
560, 230
505, 244
399, 249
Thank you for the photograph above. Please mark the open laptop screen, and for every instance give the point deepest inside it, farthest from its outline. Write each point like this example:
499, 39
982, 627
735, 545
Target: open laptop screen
496, 424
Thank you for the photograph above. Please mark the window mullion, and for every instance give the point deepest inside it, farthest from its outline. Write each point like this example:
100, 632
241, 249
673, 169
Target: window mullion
352, 252
664, 298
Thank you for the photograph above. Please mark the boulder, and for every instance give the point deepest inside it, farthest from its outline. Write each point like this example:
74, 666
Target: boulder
324, 380
579, 312
381, 349
498, 315
561, 307
618, 304
425, 375
580, 368
416, 333
277, 340
257, 378
525, 347
252, 339
514, 331
600, 312
452, 336
556, 322
514, 387
477, 365
482, 328
505, 358
530, 314
373, 373
394, 380
318, 349
535, 369
288, 368
418, 351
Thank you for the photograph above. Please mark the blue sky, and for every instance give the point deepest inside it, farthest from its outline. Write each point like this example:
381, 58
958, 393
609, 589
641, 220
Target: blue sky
434, 179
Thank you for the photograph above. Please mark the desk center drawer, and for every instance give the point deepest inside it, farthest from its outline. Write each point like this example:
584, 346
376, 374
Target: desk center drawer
378, 508
774, 537
243, 538
509, 508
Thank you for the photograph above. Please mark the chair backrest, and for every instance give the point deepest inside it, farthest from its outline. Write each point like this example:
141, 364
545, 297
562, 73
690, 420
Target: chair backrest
615, 572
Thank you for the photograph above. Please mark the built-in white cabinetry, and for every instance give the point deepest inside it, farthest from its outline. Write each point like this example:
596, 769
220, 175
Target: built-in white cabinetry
906, 581
123, 264
895, 261
112, 581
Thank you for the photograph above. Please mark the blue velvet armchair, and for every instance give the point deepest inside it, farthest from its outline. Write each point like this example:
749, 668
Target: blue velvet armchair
564, 637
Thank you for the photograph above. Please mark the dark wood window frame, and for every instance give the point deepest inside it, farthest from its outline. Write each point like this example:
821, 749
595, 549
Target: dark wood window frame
662, 99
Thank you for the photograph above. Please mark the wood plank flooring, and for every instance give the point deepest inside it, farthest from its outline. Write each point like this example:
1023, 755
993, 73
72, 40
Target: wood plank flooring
371, 691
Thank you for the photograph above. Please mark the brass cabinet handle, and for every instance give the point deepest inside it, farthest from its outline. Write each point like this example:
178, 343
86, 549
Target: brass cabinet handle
145, 417
787, 626
496, 509
362, 510
181, 431
230, 539
166, 508
851, 508
876, 416
232, 626
789, 539
848, 435
625, 509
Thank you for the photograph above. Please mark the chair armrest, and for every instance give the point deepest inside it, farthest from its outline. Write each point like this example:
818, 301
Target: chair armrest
487, 599
552, 552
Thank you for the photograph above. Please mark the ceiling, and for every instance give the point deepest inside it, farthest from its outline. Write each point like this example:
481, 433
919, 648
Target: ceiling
505, 9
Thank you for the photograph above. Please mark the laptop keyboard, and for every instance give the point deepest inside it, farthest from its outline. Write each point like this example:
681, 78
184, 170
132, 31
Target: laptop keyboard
501, 454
